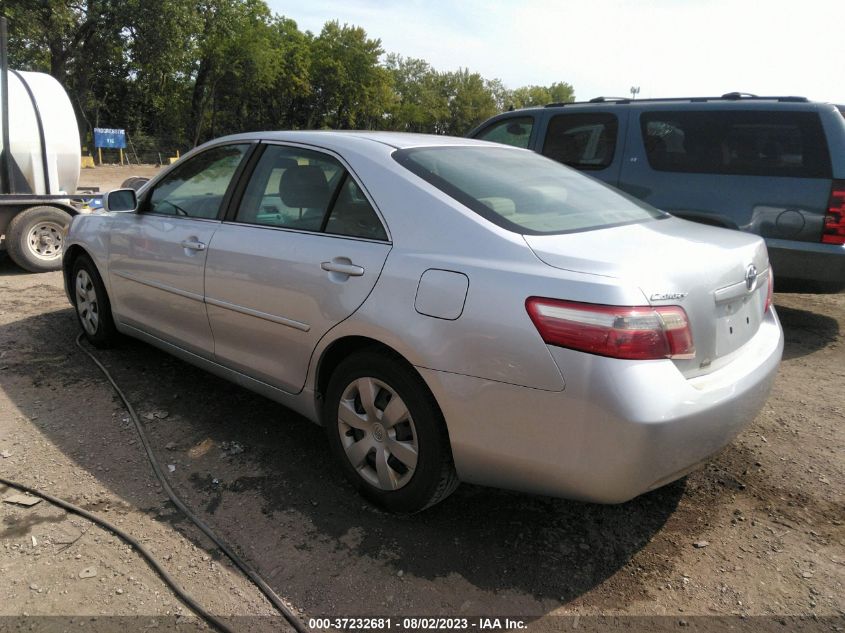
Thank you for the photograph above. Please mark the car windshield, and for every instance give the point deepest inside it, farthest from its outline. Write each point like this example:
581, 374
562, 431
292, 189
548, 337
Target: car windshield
522, 191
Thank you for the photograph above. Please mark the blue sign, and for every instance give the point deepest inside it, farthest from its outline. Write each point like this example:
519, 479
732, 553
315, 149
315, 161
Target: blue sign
109, 137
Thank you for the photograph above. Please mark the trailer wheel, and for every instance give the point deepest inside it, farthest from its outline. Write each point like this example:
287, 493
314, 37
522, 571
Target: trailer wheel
134, 182
34, 238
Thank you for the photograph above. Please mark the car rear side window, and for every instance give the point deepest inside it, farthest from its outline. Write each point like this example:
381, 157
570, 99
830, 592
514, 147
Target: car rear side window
583, 141
522, 191
747, 143
515, 131
301, 189
352, 214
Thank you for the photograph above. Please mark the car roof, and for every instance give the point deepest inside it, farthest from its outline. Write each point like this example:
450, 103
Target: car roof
352, 138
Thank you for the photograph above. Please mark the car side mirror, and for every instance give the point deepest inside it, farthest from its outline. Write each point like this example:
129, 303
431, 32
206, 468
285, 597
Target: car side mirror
121, 201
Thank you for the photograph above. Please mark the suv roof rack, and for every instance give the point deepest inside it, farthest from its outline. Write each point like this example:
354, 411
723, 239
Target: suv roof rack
728, 96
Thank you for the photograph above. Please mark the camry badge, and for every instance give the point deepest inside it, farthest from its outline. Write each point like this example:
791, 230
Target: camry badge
667, 296
751, 277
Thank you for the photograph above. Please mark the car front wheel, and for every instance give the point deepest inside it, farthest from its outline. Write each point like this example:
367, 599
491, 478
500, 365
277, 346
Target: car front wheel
93, 309
388, 433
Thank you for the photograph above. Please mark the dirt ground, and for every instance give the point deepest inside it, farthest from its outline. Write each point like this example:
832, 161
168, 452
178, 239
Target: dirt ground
759, 531
108, 177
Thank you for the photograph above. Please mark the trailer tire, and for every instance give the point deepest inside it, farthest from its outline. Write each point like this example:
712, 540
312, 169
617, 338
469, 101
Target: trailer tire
134, 182
34, 238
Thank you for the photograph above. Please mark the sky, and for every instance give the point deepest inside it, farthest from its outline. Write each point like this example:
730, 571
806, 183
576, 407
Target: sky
668, 48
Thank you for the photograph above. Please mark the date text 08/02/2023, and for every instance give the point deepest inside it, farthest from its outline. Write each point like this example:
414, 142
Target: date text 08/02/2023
415, 624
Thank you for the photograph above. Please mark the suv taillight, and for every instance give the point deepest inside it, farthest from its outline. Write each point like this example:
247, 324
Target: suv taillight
630, 332
833, 231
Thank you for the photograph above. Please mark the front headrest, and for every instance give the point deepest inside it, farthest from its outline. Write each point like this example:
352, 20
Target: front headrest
285, 162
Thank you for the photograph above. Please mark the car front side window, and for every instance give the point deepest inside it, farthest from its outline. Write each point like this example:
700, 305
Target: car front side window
196, 189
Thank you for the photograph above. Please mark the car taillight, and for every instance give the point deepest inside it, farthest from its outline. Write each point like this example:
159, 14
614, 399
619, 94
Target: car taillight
770, 291
833, 231
631, 332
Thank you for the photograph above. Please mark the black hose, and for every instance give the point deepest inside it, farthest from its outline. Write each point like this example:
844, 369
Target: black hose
159, 472
184, 596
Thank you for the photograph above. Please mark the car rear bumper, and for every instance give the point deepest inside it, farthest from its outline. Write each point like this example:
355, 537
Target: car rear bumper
816, 266
619, 429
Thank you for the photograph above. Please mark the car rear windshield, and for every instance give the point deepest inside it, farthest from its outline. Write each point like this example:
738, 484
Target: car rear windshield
522, 191
744, 142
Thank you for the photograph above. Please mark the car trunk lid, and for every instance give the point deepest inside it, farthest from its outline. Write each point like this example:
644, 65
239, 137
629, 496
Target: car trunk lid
718, 276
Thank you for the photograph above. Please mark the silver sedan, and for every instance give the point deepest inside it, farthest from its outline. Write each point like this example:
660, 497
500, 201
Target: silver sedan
449, 310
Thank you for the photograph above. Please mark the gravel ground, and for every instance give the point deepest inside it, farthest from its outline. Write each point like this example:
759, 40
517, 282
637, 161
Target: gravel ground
757, 532
108, 177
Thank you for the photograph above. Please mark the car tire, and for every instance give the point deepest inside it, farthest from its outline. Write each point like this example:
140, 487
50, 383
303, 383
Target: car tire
34, 238
403, 464
134, 182
93, 309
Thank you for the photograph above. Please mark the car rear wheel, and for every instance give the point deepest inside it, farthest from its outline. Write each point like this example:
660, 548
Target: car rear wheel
388, 433
93, 309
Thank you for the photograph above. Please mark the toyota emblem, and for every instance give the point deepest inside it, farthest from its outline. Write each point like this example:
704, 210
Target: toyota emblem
751, 277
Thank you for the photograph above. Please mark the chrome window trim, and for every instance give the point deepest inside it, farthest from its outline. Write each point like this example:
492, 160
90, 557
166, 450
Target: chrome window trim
307, 232
178, 217
352, 174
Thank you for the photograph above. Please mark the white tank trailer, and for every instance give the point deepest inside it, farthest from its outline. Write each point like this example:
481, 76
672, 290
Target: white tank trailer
39, 165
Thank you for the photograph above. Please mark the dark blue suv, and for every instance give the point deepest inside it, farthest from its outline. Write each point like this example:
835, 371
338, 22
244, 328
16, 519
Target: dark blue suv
774, 166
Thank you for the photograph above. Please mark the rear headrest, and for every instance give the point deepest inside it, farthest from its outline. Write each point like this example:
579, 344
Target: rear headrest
304, 187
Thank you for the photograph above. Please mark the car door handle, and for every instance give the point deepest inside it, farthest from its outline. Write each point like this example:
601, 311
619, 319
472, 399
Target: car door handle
193, 245
344, 269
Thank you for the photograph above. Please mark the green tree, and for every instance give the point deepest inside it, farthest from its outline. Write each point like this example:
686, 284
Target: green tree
529, 96
182, 71
349, 87
286, 102
419, 101
470, 101
77, 42
160, 42
236, 57
561, 92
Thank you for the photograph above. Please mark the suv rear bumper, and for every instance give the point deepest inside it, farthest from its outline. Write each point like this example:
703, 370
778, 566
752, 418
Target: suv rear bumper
807, 266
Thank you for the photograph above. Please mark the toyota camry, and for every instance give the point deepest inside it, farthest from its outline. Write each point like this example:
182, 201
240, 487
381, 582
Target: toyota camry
448, 309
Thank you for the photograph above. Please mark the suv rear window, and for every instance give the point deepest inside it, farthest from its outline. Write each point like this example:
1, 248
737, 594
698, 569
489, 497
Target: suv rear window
522, 191
585, 141
749, 143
